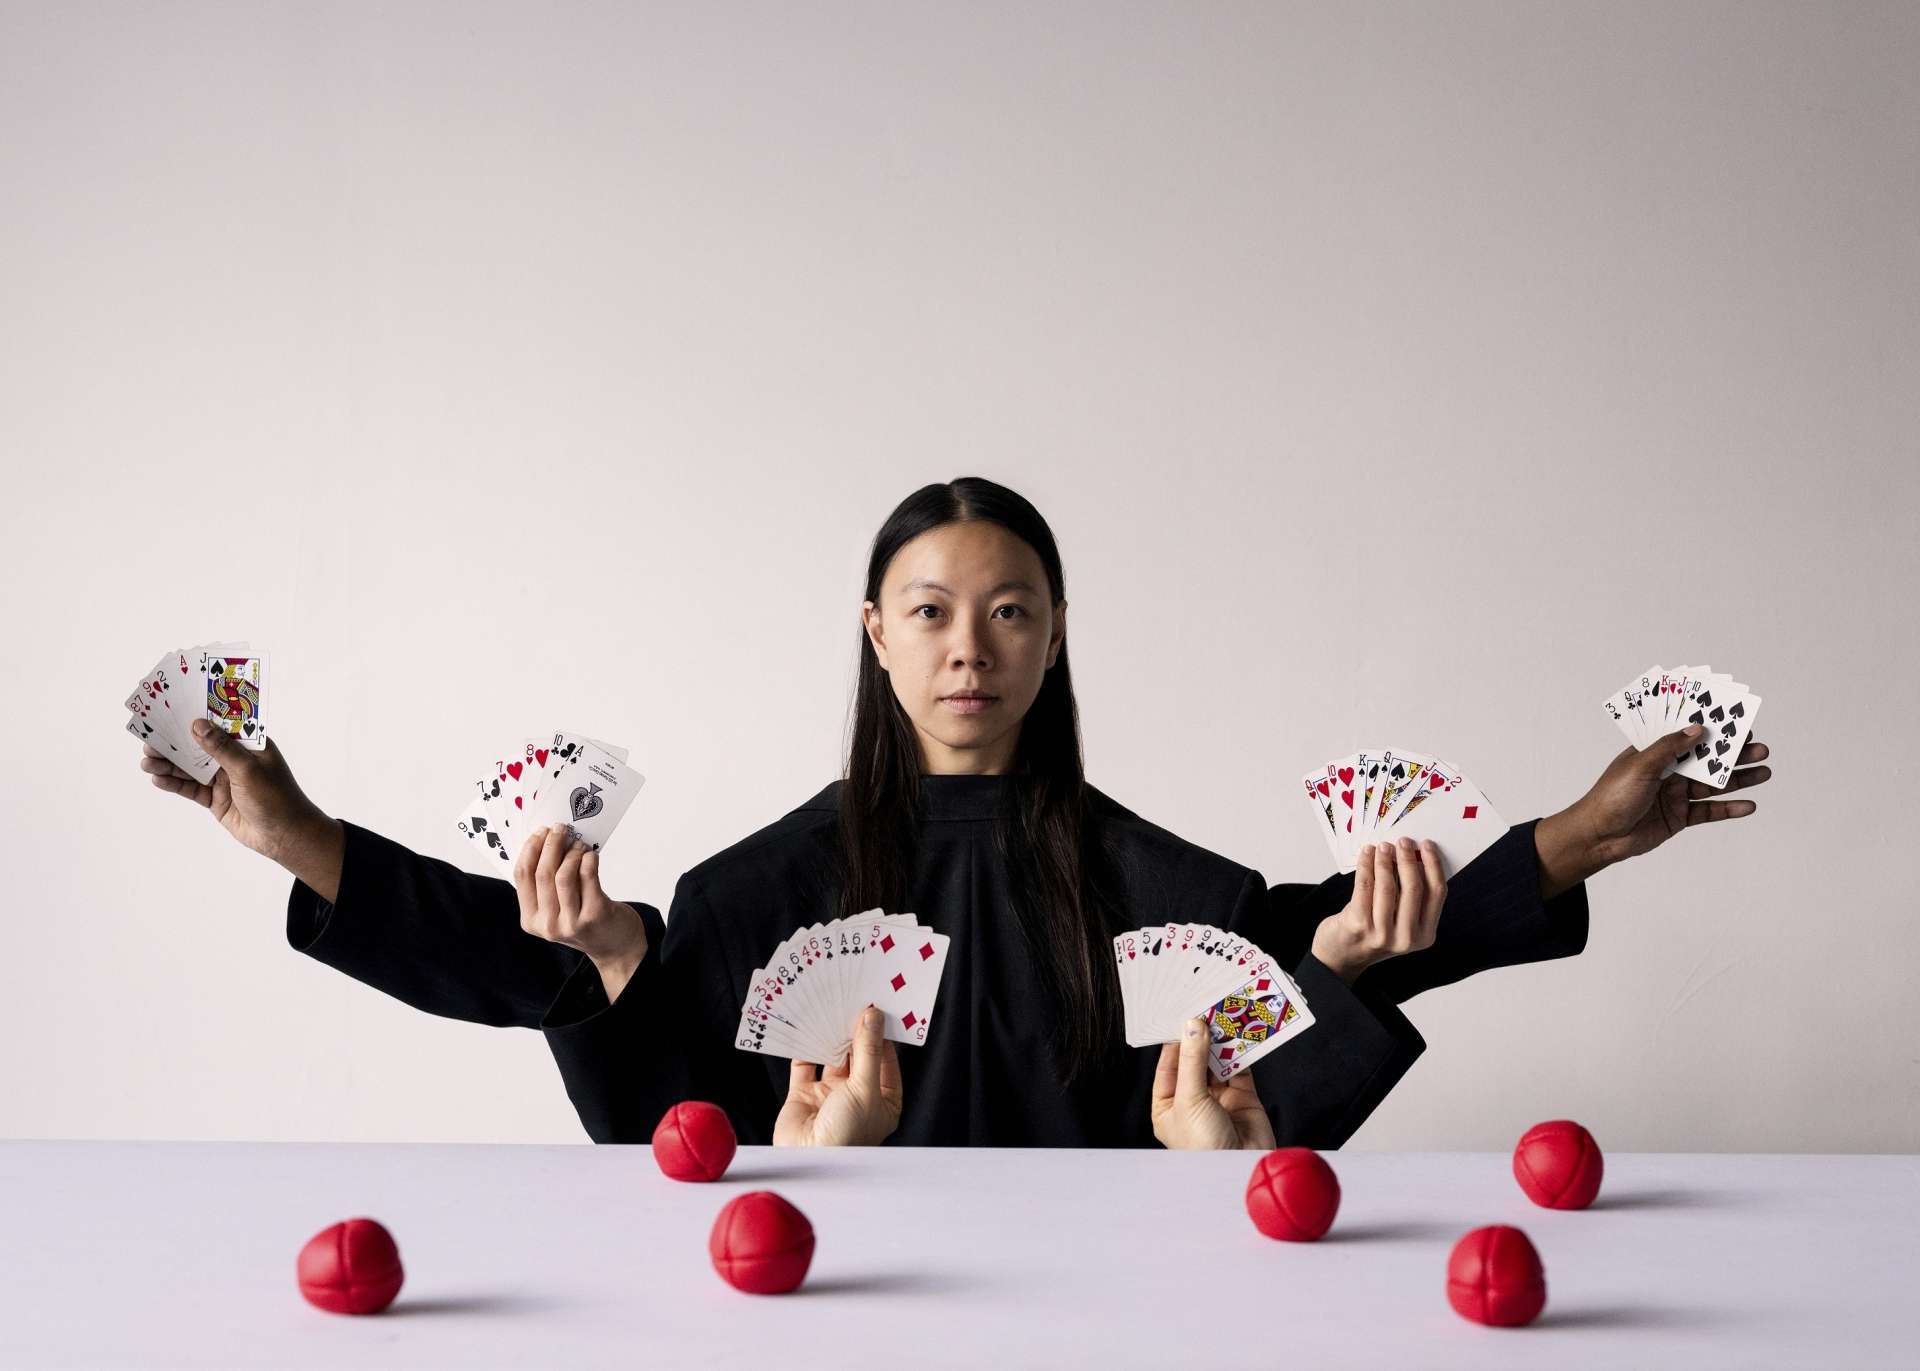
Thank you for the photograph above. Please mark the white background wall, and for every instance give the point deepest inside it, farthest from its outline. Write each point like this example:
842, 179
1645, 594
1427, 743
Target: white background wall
1400, 373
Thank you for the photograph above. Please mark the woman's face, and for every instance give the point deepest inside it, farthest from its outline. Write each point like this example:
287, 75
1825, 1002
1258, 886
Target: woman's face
964, 608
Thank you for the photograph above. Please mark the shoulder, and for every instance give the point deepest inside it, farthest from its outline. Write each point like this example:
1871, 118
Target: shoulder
791, 845
1158, 857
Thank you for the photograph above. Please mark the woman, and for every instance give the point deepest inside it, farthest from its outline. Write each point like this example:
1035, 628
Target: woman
975, 816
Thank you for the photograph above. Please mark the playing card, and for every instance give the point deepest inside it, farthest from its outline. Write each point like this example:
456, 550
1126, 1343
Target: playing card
1183, 971
805, 1002
900, 972
230, 691
591, 795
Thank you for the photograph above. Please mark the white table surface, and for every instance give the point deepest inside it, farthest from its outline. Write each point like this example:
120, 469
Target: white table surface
182, 1254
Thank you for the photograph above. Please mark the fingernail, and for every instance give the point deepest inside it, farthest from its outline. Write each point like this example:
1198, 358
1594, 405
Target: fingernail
1193, 1028
1691, 729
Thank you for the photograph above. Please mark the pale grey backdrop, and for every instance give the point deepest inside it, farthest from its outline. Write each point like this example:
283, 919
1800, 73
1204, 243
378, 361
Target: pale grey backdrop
1400, 373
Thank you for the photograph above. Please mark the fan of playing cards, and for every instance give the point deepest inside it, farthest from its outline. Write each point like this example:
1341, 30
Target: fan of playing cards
1174, 972
802, 1004
559, 778
224, 683
1382, 794
1663, 699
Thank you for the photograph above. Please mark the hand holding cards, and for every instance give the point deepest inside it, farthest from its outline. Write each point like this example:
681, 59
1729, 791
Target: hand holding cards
1170, 973
1662, 699
559, 778
802, 1003
1386, 793
223, 683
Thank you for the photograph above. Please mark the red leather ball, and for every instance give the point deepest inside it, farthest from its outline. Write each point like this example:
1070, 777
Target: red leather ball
694, 1141
761, 1244
351, 1268
1293, 1194
1558, 1164
1494, 1276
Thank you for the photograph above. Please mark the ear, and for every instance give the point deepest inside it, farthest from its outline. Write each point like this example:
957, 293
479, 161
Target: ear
1059, 633
870, 621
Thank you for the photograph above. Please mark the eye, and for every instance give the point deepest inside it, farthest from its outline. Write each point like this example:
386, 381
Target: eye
935, 608
1015, 608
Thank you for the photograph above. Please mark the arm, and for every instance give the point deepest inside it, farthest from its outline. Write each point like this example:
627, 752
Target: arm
1319, 1088
424, 931
1498, 913
667, 1036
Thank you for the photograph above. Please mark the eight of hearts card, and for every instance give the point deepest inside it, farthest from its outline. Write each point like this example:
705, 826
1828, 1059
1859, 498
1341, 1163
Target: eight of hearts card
557, 778
804, 1002
1170, 973
224, 683
1662, 699
1381, 794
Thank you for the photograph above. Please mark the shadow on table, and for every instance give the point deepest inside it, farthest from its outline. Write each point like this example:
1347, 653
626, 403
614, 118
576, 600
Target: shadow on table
471, 1304
1387, 1232
1636, 1316
891, 1283
1673, 1197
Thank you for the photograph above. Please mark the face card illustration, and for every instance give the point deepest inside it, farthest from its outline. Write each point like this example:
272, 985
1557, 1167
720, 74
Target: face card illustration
1251, 1021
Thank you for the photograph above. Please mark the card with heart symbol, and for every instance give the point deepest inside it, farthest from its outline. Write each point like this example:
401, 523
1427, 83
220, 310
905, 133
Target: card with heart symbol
1170, 973
1662, 699
1381, 794
223, 683
557, 778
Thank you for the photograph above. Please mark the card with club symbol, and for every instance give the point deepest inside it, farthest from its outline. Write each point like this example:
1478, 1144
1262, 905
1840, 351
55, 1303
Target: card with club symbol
223, 683
1173, 972
804, 1002
1662, 699
558, 778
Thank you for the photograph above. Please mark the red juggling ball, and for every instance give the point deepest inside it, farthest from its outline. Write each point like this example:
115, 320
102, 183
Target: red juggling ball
351, 1268
761, 1244
1558, 1164
694, 1141
1494, 1276
1293, 1194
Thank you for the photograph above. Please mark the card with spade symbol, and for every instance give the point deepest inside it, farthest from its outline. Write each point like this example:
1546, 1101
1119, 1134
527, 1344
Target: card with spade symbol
499, 811
1382, 794
1662, 699
590, 791
224, 683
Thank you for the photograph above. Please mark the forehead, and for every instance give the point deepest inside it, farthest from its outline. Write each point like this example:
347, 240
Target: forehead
975, 557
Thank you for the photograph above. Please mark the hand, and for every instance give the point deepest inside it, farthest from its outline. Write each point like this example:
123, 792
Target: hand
851, 1105
1632, 809
253, 795
557, 878
1191, 1109
1397, 893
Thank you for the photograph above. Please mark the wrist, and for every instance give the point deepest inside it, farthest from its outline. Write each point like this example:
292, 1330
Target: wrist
617, 965
1567, 851
313, 849
1332, 952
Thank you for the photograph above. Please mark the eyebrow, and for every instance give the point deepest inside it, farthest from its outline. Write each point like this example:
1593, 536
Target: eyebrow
921, 583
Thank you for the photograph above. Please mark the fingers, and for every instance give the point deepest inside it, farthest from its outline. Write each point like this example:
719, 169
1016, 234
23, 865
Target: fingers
1434, 874
864, 1069
567, 888
1386, 892
1674, 747
1714, 810
1363, 881
220, 745
544, 870
1413, 895
1700, 790
889, 1068
1190, 1088
799, 1077
1167, 1071
523, 867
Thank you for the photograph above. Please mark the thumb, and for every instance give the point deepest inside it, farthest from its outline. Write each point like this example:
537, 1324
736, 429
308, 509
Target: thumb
1675, 745
215, 741
866, 1052
1191, 1088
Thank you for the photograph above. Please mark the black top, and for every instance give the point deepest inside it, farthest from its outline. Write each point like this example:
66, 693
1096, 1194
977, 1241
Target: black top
449, 942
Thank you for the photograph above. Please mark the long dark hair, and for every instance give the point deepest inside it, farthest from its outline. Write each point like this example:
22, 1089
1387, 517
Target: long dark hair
1061, 871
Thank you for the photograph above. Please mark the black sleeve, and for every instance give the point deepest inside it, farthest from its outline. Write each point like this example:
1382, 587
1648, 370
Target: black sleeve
668, 1037
1493, 916
1319, 1088
434, 936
